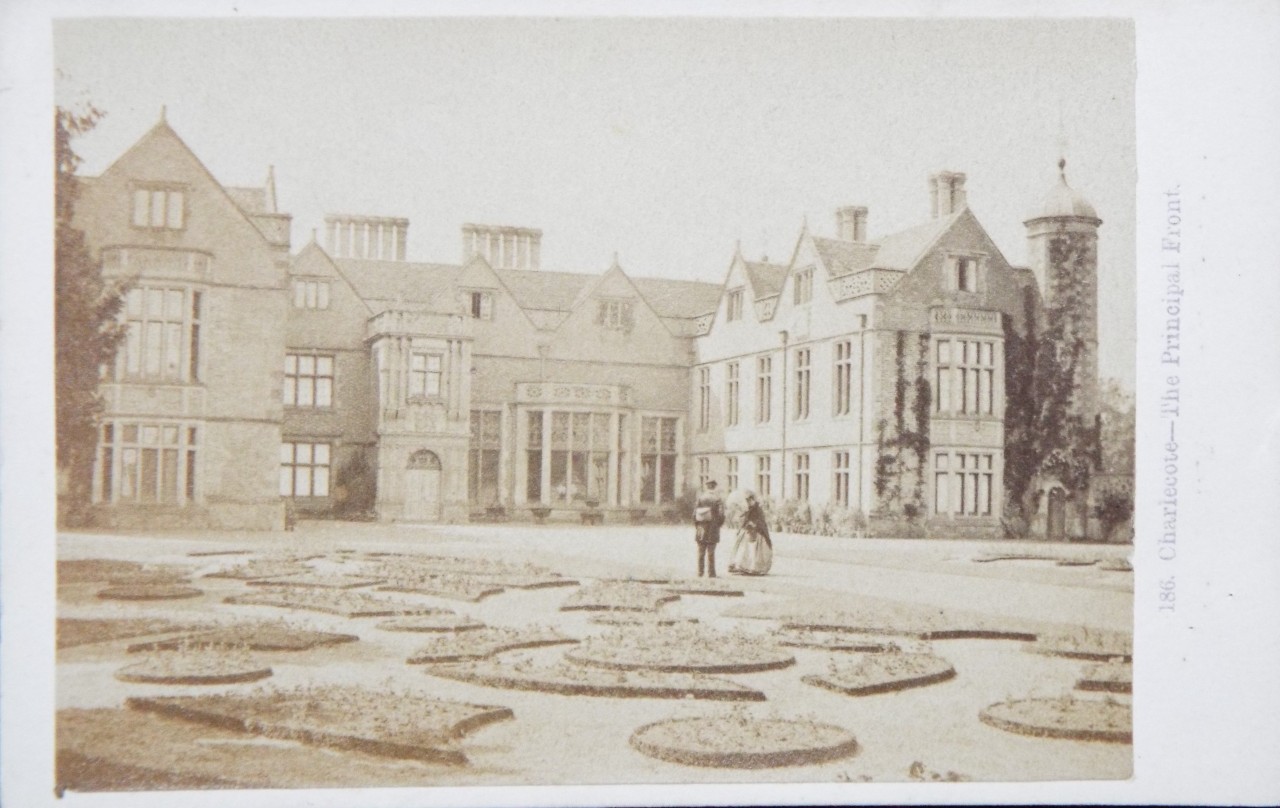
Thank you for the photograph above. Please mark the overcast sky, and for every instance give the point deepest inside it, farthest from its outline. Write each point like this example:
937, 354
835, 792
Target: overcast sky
664, 140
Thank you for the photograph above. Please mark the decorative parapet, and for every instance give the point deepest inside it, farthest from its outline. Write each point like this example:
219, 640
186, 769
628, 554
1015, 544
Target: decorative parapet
403, 323
615, 395
866, 282
951, 318
151, 262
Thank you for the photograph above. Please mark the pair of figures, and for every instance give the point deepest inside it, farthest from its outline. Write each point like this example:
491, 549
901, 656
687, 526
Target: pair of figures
753, 550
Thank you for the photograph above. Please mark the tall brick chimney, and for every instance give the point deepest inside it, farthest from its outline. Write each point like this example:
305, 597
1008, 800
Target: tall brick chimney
851, 223
503, 247
946, 193
378, 237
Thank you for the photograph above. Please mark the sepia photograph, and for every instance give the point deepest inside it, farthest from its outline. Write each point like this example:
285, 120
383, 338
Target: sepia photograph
516, 401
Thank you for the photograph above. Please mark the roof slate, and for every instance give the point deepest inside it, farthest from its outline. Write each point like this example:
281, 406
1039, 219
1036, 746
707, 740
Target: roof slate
249, 200
765, 278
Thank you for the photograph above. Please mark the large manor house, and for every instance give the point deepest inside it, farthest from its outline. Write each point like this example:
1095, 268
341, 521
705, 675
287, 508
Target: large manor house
256, 380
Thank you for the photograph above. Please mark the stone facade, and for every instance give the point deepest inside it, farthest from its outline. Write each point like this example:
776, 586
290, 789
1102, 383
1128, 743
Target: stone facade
867, 375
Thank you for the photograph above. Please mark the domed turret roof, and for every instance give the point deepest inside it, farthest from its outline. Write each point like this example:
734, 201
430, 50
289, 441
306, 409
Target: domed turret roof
1063, 201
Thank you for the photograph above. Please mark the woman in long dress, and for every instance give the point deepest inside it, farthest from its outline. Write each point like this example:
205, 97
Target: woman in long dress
753, 551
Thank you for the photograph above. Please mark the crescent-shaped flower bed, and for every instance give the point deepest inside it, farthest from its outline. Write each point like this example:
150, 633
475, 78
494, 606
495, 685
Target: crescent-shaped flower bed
1107, 677
149, 592
484, 643
1086, 643
1065, 717
431, 623
704, 586
342, 602
316, 580
741, 742
883, 673
797, 637
196, 666
398, 725
681, 648
625, 596
574, 680
73, 632
256, 637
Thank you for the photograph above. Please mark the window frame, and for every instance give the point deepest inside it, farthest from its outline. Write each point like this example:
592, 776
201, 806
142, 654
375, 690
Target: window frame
311, 464
802, 287
804, 379
734, 304
764, 389
168, 192
732, 391
293, 363
312, 293
420, 378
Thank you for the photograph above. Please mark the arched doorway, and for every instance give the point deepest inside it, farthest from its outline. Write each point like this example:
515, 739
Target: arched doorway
1056, 529
422, 487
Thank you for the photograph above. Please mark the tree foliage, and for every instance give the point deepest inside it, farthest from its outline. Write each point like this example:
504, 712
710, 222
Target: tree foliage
87, 332
1048, 431
902, 448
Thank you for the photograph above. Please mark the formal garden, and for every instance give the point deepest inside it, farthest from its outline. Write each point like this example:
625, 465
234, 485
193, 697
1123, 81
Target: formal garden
555, 655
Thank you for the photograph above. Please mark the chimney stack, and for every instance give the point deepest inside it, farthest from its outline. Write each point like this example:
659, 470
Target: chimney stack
946, 193
376, 237
851, 223
503, 247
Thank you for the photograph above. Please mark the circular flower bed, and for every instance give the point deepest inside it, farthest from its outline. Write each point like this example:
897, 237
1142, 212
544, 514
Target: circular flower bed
345, 602
799, 637
575, 680
884, 673
432, 622
485, 642
275, 636
681, 648
1065, 717
740, 742
149, 592
196, 666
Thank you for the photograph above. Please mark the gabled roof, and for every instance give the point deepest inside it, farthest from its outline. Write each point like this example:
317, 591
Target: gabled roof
383, 284
250, 200
844, 257
904, 249
676, 298
766, 279
539, 289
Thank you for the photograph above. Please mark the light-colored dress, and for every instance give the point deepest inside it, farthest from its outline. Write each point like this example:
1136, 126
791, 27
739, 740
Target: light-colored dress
753, 551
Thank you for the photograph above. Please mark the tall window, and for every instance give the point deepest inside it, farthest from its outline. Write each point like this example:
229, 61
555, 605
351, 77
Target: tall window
162, 338
483, 456
966, 274
802, 476
657, 459
616, 315
803, 285
731, 393
310, 293
802, 383
425, 374
159, 208
533, 459
580, 445
963, 483
704, 399
147, 463
966, 376
764, 475
704, 471
840, 465
844, 377
304, 469
308, 380
480, 305
764, 389
731, 478
734, 305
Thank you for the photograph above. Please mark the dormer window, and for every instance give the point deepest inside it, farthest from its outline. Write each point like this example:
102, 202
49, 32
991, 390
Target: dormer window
159, 208
310, 293
616, 315
734, 305
804, 286
480, 305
